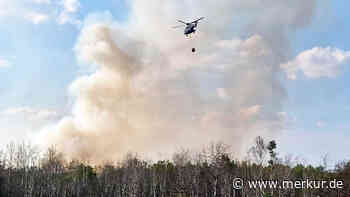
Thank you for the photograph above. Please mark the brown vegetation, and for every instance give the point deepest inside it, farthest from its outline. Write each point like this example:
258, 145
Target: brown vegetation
26, 173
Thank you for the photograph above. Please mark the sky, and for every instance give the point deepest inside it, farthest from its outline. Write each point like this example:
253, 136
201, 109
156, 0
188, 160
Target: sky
39, 62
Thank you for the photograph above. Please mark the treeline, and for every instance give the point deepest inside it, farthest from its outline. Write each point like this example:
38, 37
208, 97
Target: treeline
24, 172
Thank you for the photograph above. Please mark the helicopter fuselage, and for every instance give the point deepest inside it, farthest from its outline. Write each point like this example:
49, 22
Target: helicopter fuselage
190, 28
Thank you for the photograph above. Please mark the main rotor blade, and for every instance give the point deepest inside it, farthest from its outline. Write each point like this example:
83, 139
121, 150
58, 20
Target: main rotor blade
178, 26
182, 22
196, 21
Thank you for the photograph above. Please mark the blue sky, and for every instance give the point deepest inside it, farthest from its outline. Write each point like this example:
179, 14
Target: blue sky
321, 106
41, 64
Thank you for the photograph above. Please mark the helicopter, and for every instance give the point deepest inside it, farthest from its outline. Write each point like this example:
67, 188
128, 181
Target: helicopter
190, 27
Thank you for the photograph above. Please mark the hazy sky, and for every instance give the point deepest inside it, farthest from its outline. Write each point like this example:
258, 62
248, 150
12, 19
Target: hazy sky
38, 63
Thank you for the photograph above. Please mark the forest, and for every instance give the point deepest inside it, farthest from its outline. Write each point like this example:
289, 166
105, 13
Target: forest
27, 172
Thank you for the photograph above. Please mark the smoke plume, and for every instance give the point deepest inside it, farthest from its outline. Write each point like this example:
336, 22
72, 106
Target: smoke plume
148, 93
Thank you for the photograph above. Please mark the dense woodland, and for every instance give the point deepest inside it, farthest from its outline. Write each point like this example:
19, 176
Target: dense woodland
24, 172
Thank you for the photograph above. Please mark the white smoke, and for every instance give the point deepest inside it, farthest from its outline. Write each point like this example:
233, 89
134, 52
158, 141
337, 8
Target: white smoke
148, 93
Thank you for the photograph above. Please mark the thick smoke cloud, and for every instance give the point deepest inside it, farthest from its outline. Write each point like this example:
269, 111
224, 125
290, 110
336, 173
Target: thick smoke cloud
148, 93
